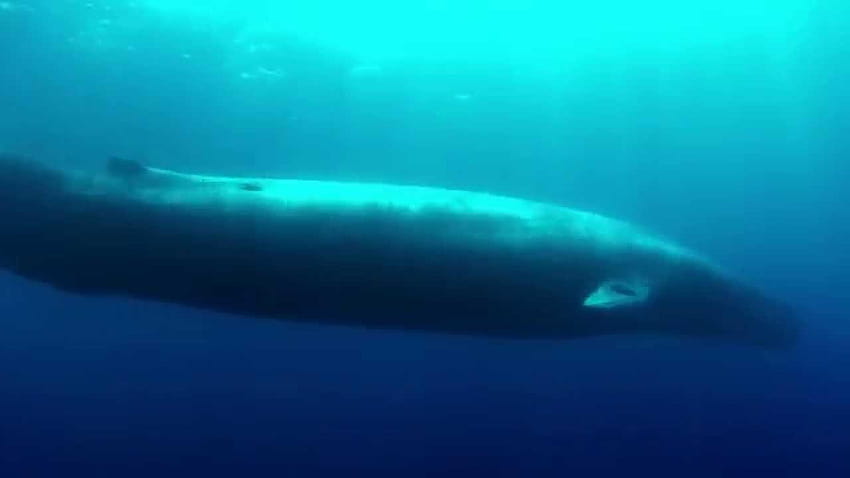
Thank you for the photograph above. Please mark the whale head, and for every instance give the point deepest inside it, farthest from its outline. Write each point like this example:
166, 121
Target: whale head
685, 295
707, 302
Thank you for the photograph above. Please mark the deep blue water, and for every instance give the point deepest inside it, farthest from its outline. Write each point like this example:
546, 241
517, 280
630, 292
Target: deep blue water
738, 149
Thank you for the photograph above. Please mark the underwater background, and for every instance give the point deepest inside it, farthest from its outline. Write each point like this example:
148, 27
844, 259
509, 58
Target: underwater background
722, 124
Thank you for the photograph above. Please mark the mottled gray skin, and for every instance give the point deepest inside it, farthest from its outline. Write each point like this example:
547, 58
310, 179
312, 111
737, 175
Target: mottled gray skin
366, 254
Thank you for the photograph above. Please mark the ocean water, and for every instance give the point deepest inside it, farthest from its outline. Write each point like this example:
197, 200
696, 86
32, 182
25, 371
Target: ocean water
720, 124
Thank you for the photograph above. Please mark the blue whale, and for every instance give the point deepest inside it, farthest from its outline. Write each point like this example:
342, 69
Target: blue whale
367, 254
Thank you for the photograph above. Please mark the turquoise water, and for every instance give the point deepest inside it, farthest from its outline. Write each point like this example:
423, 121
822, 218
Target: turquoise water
720, 125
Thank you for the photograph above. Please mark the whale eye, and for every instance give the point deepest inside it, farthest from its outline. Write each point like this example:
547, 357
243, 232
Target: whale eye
618, 293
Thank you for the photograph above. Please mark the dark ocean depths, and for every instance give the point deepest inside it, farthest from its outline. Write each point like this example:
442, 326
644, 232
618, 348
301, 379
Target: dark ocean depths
724, 129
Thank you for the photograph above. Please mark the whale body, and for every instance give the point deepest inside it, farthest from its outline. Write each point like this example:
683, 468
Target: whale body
367, 254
